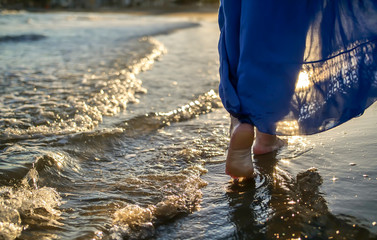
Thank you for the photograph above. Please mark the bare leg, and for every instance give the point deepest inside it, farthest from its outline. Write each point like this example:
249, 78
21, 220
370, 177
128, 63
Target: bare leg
238, 160
265, 143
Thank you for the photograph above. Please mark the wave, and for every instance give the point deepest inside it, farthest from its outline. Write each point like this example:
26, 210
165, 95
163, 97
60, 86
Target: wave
203, 104
183, 196
22, 38
55, 141
49, 104
107, 93
147, 123
17, 161
28, 207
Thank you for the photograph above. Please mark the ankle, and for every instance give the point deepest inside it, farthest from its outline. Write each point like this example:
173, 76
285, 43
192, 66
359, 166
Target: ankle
265, 143
242, 137
264, 139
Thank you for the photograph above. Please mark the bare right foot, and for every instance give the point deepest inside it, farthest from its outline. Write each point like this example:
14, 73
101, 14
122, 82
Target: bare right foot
266, 143
238, 160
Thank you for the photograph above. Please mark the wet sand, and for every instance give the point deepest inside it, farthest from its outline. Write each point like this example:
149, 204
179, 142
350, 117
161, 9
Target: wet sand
346, 159
318, 187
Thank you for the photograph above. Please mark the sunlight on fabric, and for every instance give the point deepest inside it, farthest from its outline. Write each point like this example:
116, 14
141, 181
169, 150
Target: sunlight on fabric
303, 81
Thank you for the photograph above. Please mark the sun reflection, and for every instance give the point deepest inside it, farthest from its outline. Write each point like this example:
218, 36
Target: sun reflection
292, 202
287, 127
303, 81
284, 161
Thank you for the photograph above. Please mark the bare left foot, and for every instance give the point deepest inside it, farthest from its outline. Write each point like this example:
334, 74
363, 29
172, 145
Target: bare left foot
266, 143
238, 160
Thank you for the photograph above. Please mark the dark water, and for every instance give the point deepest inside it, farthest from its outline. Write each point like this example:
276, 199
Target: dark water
111, 128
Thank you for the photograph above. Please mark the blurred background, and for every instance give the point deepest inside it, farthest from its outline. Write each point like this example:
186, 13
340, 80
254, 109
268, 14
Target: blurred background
96, 4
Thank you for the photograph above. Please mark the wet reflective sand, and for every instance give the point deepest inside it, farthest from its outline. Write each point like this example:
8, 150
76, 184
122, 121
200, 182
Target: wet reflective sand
299, 192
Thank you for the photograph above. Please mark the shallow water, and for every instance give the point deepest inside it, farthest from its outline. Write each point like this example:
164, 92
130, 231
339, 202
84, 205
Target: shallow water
111, 128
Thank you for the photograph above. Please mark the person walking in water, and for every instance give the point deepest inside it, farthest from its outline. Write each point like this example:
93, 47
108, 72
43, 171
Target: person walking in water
293, 67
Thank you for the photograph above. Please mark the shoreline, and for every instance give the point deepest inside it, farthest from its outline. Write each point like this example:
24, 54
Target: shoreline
207, 12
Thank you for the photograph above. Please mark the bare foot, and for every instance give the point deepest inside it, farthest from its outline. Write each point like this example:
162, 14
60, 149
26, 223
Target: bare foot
238, 160
265, 143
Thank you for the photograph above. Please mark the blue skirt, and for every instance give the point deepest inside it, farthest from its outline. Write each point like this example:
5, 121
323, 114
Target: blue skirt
298, 66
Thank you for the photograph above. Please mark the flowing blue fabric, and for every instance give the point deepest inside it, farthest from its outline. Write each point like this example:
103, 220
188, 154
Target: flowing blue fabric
297, 66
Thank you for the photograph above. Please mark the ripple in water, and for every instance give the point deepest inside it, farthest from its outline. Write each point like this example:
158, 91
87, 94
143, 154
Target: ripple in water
43, 111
